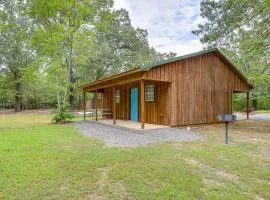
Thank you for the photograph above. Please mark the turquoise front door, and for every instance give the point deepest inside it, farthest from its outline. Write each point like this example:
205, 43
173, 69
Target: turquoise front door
134, 104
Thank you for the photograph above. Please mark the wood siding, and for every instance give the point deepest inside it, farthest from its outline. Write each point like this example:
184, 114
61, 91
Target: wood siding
201, 89
156, 112
122, 108
197, 90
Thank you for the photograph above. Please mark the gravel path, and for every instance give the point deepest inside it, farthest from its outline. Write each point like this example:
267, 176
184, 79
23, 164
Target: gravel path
125, 137
260, 116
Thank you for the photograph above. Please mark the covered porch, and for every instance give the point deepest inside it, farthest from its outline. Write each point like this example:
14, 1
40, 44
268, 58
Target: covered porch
245, 112
130, 99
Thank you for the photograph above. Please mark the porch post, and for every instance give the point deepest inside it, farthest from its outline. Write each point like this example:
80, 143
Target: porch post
84, 106
142, 104
96, 105
231, 102
247, 105
114, 107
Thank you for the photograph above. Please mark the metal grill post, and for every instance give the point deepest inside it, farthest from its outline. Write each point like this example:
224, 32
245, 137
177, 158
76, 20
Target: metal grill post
226, 134
226, 119
84, 106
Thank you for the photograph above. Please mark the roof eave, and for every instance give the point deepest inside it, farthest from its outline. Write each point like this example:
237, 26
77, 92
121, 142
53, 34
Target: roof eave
134, 70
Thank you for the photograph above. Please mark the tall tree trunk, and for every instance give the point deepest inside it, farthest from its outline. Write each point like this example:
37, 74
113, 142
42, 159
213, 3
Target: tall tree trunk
97, 77
57, 92
71, 89
17, 106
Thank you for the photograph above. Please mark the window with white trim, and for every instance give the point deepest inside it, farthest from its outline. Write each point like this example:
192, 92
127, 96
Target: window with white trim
117, 96
100, 95
149, 92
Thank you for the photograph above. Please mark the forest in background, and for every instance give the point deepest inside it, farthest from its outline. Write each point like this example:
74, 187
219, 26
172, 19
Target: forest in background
49, 48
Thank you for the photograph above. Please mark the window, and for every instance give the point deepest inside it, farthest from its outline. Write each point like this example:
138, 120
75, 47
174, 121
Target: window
100, 96
149, 93
117, 96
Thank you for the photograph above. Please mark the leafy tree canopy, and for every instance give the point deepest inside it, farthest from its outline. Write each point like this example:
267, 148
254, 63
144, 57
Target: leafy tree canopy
52, 47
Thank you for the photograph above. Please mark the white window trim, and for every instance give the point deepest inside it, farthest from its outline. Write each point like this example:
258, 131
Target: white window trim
100, 95
149, 92
117, 96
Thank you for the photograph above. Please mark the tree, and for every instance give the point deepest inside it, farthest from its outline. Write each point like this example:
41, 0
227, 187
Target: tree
51, 47
6, 90
15, 50
241, 30
117, 48
89, 39
60, 24
226, 21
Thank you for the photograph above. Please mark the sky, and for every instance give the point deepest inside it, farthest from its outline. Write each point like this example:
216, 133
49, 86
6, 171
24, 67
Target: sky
169, 23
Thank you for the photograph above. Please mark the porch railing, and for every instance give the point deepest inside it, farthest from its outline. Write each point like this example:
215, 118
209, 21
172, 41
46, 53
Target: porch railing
102, 113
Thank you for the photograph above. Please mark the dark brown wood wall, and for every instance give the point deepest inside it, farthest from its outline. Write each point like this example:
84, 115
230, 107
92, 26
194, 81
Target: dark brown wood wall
156, 112
122, 108
107, 99
201, 89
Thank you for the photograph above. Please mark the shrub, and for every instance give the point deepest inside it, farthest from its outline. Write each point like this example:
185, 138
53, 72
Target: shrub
62, 115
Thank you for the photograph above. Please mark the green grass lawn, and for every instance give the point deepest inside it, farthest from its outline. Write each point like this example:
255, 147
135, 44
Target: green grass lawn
39, 160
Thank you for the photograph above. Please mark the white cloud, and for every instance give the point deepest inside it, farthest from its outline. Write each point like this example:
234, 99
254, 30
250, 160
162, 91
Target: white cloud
182, 48
169, 22
120, 4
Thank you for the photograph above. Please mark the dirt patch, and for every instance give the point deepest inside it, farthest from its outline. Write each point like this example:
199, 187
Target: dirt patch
62, 188
118, 189
265, 153
212, 182
98, 195
259, 198
260, 139
194, 163
121, 190
255, 139
227, 175
197, 164
7, 111
103, 172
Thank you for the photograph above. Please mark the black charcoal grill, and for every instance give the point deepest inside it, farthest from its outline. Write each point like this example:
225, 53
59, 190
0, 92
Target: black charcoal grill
227, 119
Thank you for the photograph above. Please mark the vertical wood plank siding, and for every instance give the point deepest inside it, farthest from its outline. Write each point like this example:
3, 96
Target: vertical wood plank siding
201, 89
122, 108
156, 112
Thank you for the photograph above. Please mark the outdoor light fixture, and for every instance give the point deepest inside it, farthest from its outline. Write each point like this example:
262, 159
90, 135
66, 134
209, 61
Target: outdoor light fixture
226, 119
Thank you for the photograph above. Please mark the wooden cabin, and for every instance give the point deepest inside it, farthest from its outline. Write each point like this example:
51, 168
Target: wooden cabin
185, 90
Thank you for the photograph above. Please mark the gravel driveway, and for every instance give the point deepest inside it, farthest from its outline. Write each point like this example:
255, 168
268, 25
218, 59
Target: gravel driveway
125, 137
260, 116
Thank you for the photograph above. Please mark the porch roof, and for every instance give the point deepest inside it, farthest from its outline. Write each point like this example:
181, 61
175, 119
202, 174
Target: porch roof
130, 76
